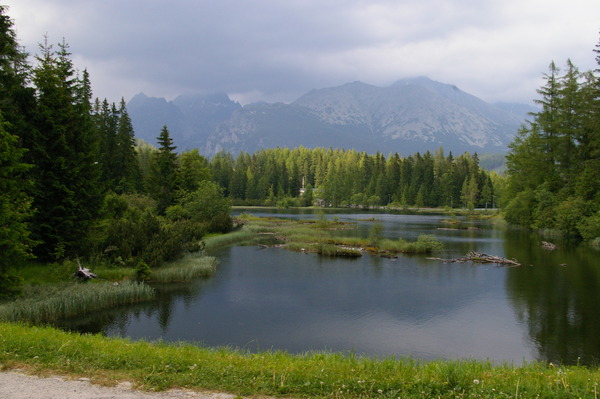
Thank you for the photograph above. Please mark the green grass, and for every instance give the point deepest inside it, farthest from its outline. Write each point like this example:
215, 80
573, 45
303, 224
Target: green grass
44, 304
160, 366
187, 269
425, 244
237, 237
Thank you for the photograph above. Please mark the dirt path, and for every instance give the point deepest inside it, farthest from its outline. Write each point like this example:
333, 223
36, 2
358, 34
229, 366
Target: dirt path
14, 385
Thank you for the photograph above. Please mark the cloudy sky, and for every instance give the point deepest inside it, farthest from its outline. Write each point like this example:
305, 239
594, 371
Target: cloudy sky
277, 50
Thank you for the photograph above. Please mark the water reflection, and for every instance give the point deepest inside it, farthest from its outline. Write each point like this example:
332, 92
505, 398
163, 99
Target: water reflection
277, 299
558, 295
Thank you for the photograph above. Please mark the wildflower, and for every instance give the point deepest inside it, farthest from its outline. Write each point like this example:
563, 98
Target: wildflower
476, 381
379, 391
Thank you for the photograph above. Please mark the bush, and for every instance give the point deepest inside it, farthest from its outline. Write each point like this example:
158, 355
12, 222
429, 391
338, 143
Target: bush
142, 271
569, 214
519, 209
288, 202
10, 286
589, 227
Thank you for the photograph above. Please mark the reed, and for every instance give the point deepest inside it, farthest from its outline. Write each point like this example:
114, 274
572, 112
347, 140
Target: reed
425, 244
187, 269
334, 250
237, 237
160, 366
53, 303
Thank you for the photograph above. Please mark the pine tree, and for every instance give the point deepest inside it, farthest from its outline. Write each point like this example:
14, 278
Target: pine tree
129, 176
17, 100
15, 210
67, 194
163, 179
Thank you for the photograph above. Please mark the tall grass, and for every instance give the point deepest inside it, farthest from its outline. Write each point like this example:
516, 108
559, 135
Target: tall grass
237, 237
425, 244
191, 267
53, 303
159, 366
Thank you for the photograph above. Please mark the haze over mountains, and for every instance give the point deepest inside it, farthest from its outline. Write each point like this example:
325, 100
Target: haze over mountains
411, 115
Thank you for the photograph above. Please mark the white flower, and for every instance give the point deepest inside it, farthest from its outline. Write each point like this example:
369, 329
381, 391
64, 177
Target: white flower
476, 381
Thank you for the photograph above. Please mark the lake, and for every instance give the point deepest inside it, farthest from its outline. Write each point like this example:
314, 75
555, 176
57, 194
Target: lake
274, 299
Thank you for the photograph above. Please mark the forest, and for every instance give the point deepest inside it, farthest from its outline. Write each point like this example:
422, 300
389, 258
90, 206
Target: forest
348, 178
77, 184
554, 162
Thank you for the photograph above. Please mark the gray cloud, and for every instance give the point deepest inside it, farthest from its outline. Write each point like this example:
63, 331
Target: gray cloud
275, 51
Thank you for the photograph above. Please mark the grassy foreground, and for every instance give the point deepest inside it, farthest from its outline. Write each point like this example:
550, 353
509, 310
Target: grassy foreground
160, 366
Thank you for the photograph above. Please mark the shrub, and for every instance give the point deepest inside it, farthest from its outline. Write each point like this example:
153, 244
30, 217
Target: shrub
519, 209
142, 271
10, 286
589, 227
569, 214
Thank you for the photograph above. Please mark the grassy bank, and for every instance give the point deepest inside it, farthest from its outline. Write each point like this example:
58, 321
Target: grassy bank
40, 305
159, 366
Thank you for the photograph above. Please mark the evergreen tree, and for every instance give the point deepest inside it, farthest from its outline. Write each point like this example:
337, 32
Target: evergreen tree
15, 209
129, 177
63, 149
192, 170
553, 165
17, 100
163, 178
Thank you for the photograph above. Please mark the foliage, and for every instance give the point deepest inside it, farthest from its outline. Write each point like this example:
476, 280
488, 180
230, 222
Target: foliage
589, 227
375, 233
553, 163
353, 179
74, 299
15, 207
187, 269
204, 205
162, 183
11, 286
133, 232
142, 271
62, 148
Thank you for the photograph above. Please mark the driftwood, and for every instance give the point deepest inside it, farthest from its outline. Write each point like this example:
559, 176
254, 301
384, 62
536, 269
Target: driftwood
477, 257
548, 246
83, 273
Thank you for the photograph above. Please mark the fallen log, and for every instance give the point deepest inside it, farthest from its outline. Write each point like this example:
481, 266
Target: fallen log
83, 273
478, 257
548, 246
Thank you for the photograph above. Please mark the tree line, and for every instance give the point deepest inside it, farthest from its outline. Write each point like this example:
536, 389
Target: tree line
554, 162
348, 178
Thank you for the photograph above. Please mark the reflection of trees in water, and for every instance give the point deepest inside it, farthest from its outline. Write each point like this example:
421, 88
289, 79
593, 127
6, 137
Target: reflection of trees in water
115, 321
558, 295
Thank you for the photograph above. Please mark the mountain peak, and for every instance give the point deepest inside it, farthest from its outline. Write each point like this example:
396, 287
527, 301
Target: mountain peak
416, 114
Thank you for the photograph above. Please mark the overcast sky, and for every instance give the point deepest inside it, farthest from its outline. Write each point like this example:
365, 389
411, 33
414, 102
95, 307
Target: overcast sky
277, 50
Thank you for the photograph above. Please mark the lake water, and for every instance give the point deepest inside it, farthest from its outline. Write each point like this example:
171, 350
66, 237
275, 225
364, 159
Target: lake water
263, 299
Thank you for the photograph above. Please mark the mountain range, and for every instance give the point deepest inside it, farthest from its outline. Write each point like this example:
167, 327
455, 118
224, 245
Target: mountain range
411, 115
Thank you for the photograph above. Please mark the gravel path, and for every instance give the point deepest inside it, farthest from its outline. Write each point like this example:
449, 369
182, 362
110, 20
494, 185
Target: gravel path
14, 385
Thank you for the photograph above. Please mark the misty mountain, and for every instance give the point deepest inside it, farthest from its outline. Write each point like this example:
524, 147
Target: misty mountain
409, 116
190, 118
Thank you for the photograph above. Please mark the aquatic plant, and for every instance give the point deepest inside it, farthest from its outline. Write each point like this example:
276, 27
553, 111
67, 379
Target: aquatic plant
74, 299
189, 268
